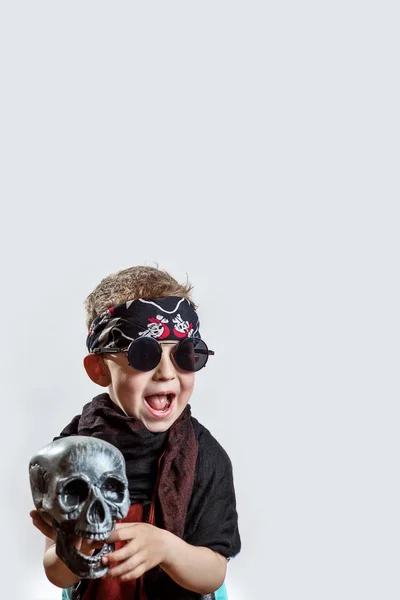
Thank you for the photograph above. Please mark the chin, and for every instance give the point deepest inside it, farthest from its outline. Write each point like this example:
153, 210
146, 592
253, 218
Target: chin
158, 427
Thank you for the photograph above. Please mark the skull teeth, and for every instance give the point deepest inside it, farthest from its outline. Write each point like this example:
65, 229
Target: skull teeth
95, 558
92, 536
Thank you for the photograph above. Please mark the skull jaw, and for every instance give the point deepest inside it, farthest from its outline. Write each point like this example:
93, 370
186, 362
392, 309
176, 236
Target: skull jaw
85, 567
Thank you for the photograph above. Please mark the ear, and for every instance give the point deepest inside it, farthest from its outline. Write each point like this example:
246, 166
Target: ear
97, 370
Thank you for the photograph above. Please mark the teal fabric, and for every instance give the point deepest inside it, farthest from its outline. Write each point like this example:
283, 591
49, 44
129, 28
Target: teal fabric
221, 594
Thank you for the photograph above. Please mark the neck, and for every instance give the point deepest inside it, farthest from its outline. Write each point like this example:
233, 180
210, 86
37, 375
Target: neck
115, 400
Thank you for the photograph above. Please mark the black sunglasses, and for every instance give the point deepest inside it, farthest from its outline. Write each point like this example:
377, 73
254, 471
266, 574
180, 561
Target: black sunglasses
144, 354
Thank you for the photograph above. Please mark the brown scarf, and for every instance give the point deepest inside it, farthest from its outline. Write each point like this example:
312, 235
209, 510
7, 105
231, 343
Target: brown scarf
164, 463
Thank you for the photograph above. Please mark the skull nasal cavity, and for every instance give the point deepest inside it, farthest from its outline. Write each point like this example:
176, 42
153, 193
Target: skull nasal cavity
96, 512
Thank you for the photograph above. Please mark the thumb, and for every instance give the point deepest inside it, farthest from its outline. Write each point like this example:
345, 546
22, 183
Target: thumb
42, 525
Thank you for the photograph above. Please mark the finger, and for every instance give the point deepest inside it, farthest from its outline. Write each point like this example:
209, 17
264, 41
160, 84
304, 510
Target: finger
44, 516
122, 534
40, 517
124, 525
88, 546
35, 516
121, 554
135, 573
92, 543
126, 567
84, 549
43, 526
97, 545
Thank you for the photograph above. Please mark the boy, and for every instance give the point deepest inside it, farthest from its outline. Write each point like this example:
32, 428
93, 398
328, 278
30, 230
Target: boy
144, 347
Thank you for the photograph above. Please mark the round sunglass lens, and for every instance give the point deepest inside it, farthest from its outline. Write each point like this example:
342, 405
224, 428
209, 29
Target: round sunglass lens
191, 354
144, 354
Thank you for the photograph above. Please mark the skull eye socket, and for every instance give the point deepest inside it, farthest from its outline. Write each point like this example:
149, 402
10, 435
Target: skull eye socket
74, 492
113, 489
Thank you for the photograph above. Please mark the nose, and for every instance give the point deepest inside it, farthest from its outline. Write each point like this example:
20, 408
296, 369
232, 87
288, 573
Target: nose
96, 513
165, 369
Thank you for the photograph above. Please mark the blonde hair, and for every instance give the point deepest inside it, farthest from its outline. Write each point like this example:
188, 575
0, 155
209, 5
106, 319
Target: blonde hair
131, 284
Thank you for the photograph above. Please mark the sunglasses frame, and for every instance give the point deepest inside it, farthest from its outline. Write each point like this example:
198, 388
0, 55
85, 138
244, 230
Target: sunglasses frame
203, 351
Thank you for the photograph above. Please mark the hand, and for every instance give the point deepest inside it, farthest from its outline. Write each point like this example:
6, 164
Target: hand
44, 526
82, 544
146, 547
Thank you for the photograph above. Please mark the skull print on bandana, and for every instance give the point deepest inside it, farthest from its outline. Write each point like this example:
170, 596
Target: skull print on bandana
166, 318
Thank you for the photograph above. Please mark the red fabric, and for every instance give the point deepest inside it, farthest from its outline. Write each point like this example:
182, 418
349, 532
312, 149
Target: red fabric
112, 589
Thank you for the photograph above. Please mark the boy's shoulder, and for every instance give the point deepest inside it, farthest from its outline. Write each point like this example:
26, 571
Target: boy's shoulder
212, 518
210, 450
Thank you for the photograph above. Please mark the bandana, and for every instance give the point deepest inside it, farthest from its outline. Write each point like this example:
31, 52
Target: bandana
167, 318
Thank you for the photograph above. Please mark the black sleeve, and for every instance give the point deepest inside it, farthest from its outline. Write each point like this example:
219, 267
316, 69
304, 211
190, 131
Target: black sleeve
70, 429
212, 520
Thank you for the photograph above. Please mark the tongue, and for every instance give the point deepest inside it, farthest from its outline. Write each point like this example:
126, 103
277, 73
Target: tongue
157, 402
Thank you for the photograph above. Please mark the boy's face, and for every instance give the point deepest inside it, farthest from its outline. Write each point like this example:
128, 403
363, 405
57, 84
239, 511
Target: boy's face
156, 397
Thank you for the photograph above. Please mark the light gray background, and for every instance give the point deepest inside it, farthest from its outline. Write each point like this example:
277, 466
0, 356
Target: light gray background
254, 146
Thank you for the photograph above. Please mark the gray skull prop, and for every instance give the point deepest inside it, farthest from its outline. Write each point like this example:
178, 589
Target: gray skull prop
81, 483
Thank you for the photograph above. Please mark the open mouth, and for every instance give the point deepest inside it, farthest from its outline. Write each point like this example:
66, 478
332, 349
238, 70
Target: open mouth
160, 405
96, 556
86, 566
